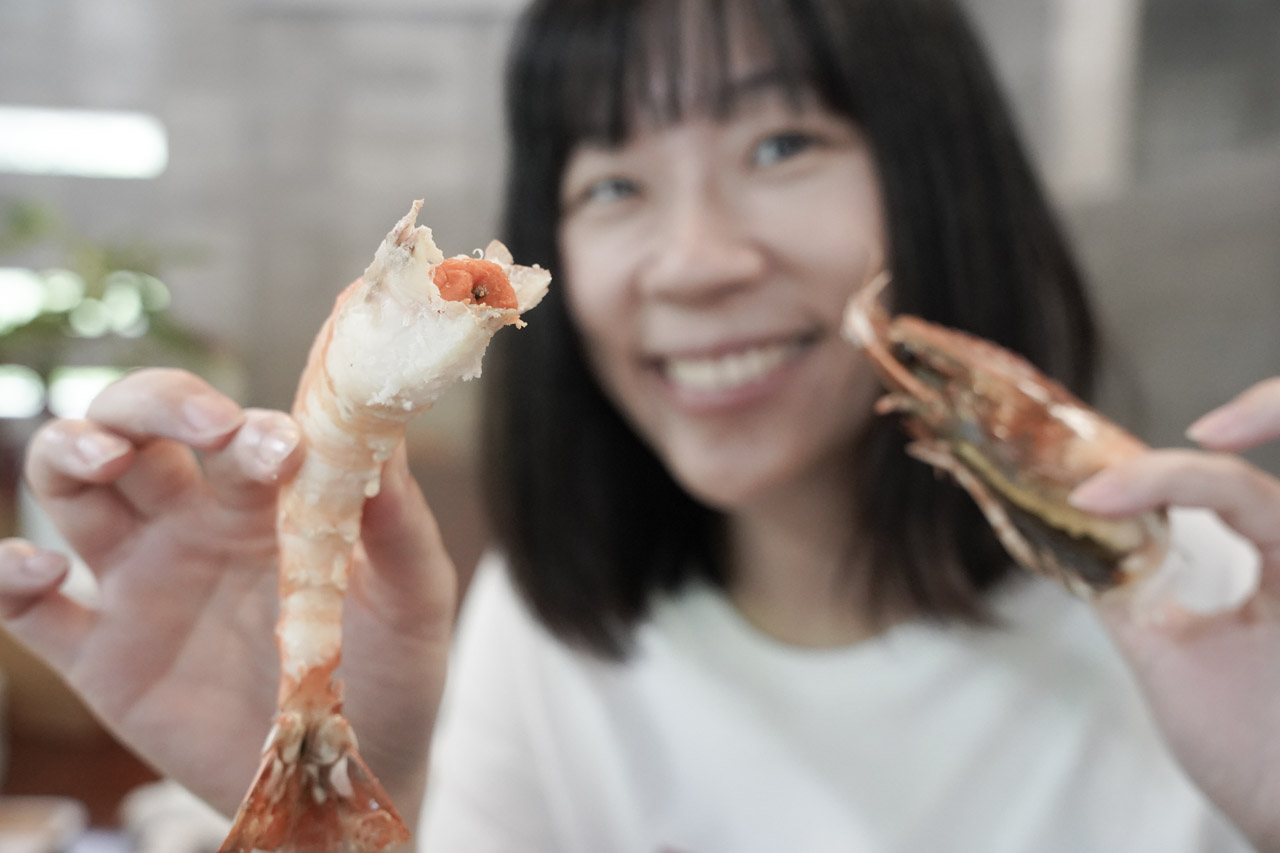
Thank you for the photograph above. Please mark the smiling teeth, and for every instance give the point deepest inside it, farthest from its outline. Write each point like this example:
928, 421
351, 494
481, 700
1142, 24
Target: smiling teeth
729, 371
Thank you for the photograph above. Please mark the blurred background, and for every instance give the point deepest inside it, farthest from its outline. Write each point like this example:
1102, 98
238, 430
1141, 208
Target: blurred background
211, 174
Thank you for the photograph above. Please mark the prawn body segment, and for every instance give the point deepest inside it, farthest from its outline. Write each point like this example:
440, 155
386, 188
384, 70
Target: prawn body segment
392, 345
1018, 442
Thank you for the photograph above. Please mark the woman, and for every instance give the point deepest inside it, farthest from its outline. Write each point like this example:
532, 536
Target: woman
727, 614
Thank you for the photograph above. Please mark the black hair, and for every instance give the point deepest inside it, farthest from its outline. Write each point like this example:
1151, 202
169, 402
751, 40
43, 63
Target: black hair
590, 521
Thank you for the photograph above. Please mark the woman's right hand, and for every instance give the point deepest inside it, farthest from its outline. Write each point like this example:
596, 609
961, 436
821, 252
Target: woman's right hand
167, 490
1213, 684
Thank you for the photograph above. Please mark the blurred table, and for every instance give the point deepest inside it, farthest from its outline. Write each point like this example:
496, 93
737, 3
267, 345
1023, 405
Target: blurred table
95, 771
55, 747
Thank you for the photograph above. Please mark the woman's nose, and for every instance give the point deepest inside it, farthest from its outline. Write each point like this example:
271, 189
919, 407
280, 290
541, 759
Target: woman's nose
703, 249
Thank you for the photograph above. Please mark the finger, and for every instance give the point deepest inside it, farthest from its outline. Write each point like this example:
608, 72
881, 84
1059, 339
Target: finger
407, 568
1250, 419
75, 466
70, 468
162, 411
66, 456
27, 573
167, 403
164, 475
245, 473
96, 486
32, 609
1244, 497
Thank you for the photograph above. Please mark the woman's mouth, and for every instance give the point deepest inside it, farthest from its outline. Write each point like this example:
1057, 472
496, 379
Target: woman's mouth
730, 376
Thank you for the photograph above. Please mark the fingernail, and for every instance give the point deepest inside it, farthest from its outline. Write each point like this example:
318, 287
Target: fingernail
209, 415
27, 566
1218, 425
96, 449
44, 565
276, 444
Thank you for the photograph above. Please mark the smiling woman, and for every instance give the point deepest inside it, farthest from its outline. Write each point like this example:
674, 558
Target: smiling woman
722, 176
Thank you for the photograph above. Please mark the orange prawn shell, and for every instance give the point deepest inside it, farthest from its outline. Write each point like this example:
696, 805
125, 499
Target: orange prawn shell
1040, 428
1016, 440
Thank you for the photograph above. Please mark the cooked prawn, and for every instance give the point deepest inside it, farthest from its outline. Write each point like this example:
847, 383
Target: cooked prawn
398, 337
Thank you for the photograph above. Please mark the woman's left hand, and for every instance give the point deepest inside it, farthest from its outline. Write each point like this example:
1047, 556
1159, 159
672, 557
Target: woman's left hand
1214, 686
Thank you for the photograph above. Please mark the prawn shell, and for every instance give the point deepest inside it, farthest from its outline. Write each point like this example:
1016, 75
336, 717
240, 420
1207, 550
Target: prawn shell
1016, 440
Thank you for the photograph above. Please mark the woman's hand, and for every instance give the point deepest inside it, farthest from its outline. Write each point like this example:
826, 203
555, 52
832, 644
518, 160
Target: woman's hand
167, 490
1214, 687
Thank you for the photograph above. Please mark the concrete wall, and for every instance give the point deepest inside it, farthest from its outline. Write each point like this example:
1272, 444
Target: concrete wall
299, 133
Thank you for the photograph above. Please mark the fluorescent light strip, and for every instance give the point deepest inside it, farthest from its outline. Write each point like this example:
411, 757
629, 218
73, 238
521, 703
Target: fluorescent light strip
21, 392
82, 143
71, 389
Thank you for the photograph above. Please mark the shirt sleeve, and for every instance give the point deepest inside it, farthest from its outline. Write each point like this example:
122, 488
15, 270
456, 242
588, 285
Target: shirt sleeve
484, 792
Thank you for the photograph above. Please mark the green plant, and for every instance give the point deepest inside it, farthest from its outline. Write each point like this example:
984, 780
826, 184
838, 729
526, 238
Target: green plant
74, 302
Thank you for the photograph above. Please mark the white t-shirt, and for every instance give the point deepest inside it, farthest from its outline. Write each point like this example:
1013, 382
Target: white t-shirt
715, 738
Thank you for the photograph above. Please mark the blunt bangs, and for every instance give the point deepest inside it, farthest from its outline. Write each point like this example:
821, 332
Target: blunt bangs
624, 65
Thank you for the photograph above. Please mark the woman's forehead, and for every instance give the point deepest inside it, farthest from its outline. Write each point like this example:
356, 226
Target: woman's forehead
711, 67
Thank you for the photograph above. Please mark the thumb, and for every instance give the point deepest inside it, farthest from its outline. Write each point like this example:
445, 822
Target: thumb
405, 573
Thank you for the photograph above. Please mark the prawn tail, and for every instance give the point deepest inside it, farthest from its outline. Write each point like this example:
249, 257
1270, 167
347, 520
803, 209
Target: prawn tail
313, 793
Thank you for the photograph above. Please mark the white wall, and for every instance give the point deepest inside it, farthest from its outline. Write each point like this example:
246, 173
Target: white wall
301, 130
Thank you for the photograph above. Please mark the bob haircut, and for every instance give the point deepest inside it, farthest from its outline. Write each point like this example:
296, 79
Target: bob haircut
591, 523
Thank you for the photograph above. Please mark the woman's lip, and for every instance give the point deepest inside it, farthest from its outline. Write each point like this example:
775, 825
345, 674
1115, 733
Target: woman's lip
729, 377
659, 356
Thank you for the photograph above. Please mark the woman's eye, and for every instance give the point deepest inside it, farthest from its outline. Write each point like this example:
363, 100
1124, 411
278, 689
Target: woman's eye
780, 146
609, 190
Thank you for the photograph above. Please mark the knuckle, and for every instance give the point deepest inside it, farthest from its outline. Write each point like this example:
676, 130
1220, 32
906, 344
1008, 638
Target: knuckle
148, 384
48, 445
1232, 467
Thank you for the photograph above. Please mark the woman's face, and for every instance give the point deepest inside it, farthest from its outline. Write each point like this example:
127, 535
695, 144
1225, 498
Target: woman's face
707, 264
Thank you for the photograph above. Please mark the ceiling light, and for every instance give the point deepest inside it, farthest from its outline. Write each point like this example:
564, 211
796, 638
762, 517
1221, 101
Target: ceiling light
83, 143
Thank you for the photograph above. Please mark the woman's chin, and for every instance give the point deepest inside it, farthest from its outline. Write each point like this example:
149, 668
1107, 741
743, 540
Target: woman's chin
751, 475
723, 488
